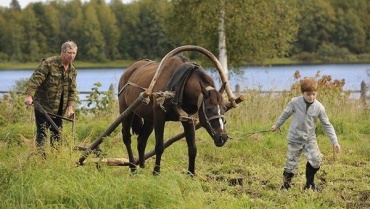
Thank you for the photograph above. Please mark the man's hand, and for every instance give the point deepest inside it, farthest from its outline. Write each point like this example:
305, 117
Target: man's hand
70, 111
28, 100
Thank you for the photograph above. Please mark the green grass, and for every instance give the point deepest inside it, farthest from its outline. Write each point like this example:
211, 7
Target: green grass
245, 173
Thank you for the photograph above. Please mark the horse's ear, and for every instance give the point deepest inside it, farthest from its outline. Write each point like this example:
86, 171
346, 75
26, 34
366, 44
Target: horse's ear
222, 88
204, 90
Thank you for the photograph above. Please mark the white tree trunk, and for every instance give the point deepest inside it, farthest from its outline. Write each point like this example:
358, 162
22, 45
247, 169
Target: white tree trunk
222, 40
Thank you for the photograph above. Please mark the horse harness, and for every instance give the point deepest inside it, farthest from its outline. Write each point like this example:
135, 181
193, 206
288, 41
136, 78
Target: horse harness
134, 84
174, 92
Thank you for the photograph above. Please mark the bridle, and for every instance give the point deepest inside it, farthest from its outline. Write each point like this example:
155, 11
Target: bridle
208, 119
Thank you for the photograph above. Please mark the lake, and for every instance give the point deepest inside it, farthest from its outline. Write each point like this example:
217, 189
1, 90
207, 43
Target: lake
260, 77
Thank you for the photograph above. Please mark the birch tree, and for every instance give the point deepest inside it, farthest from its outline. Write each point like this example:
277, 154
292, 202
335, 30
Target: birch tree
240, 31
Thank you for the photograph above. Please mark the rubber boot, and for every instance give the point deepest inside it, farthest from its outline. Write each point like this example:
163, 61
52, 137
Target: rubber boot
310, 177
287, 179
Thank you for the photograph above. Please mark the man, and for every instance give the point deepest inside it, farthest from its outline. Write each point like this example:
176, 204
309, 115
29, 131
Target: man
53, 86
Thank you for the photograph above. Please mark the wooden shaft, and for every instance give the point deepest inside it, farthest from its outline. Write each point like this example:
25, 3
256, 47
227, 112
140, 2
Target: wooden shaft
41, 109
111, 128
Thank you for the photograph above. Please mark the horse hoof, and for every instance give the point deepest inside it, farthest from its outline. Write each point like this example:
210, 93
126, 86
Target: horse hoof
191, 174
133, 171
78, 164
156, 173
98, 166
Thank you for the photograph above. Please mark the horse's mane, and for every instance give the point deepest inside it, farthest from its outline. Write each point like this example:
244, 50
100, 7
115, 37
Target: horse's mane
214, 96
204, 76
182, 57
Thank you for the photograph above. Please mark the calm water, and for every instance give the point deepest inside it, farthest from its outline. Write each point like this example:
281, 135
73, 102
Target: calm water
264, 78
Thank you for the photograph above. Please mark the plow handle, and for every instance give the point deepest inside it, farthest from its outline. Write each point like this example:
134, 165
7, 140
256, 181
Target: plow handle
111, 128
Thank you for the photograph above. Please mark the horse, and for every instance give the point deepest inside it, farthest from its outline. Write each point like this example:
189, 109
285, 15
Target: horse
182, 89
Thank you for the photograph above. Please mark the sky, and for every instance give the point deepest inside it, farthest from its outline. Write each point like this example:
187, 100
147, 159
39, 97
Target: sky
24, 3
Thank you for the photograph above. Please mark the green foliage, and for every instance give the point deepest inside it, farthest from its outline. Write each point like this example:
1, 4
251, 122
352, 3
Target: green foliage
12, 108
306, 57
331, 53
255, 30
339, 23
100, 103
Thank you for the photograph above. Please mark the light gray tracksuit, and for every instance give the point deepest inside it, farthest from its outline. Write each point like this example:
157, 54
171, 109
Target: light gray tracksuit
302, 136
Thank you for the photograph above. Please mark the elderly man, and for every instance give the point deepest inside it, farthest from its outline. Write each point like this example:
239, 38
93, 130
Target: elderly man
53, 86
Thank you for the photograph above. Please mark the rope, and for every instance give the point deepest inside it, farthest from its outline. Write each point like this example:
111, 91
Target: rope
132, 84
261, 131
161, 97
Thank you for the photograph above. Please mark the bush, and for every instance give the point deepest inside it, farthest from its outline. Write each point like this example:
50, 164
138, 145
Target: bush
305, 57
331, 53
12, 108
100, 103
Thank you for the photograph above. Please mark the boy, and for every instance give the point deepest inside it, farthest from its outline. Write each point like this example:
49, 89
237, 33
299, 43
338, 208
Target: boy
302, 137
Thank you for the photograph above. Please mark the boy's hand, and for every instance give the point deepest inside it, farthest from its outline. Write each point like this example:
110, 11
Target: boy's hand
274, 128
336, 147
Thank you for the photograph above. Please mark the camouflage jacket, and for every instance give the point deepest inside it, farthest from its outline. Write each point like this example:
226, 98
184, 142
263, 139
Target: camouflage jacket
50, 81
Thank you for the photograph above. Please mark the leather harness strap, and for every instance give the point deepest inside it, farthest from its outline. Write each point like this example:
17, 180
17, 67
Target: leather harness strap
175, 88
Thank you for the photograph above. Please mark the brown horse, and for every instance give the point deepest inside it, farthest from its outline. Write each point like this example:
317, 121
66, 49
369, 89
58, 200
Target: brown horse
181, 90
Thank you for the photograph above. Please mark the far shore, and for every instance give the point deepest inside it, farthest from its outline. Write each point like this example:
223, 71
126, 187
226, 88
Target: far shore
126, 63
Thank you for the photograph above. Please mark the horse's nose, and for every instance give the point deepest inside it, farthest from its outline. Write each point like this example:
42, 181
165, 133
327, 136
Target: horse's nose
221, 140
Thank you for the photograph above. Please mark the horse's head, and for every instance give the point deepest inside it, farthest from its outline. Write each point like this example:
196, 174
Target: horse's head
211, 113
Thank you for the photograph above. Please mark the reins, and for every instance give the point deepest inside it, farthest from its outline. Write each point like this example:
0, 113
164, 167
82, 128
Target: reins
131, 84
261, 131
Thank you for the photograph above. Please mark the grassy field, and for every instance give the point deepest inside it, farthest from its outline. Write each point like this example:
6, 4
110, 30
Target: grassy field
245, 173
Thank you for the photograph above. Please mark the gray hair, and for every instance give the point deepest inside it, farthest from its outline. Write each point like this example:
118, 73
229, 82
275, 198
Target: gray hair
68, 45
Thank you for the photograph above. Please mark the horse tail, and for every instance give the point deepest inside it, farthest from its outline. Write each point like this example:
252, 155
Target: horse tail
137, 124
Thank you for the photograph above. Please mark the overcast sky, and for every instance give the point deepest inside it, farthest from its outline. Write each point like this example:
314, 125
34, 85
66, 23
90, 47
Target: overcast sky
24, 3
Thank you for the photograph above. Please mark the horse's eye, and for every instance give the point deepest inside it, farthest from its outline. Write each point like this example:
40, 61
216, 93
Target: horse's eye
209, 110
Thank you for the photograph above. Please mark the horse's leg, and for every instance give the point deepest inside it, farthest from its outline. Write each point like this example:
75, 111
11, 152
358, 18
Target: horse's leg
159, 122
189, 131
147, 129
126, 137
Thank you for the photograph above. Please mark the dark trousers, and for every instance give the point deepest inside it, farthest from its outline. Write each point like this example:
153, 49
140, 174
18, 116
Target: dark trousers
43, 125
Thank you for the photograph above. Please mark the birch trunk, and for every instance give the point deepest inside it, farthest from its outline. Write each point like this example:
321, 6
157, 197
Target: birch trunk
222, 40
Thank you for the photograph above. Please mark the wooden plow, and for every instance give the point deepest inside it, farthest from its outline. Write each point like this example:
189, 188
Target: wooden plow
144, 97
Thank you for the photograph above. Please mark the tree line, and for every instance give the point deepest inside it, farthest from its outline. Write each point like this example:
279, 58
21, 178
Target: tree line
329, 30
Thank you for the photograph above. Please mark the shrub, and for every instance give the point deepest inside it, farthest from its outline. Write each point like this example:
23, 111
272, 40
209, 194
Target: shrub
100, 103
305, 57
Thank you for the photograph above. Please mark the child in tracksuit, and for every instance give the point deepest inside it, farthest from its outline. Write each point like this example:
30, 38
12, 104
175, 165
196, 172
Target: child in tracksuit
302, 137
